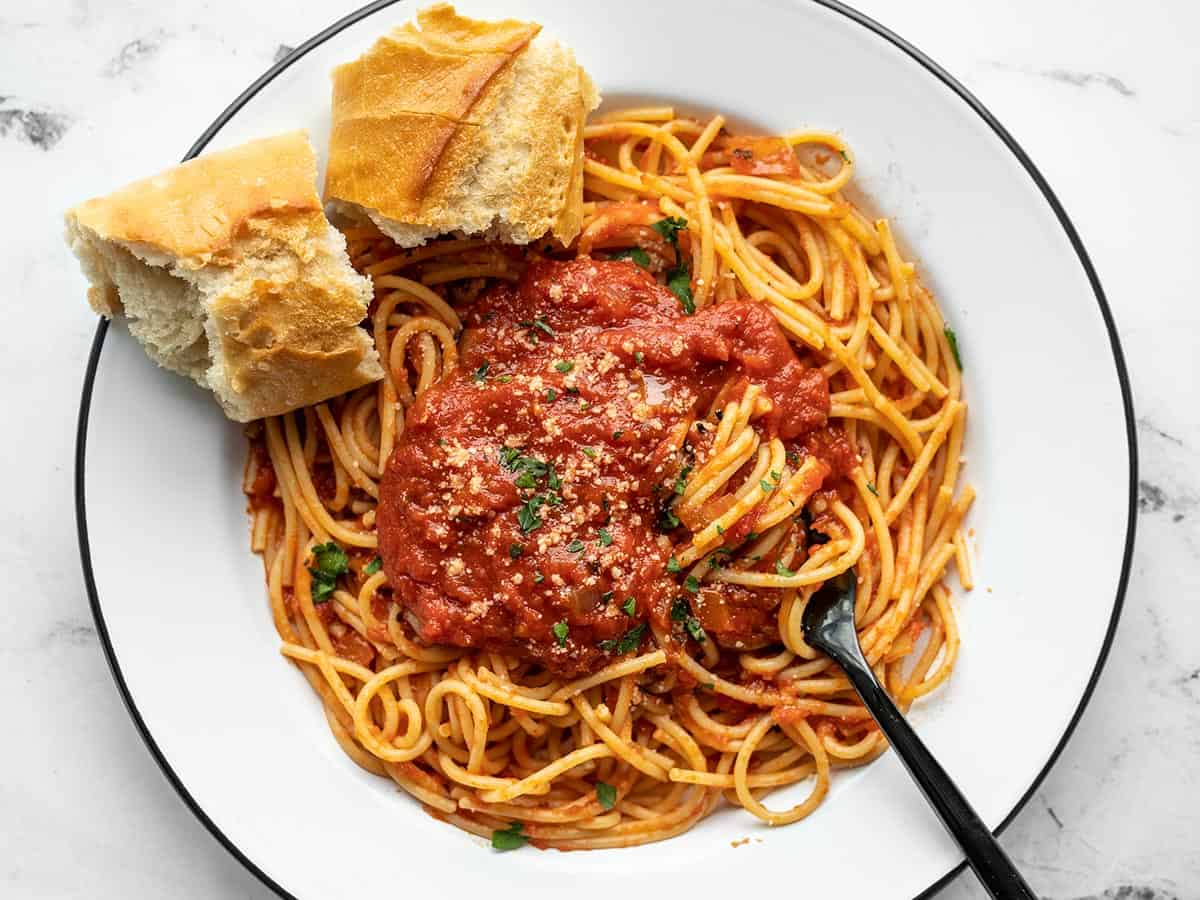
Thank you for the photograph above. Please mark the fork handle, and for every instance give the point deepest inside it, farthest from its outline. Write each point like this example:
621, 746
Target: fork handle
983, 852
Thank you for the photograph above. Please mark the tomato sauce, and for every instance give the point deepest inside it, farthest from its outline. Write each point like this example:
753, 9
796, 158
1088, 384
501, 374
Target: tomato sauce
522, 509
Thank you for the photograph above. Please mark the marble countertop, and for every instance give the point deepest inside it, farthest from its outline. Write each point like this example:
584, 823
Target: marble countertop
1105, 97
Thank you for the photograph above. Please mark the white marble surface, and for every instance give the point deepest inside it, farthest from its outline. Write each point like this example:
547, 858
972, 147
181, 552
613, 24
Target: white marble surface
1104, 96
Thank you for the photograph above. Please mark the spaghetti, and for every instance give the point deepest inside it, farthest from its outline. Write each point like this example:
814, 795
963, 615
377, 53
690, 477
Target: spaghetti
672, 717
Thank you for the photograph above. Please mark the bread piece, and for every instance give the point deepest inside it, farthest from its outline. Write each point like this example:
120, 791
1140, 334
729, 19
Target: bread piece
461, 126
228, 272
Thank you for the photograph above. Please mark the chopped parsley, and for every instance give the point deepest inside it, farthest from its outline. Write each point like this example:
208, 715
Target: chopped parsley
480, 373
679, 283
373, 566
793, 457
766, 486
589, 452
606, 538
617, 435
872, 489
515, 551
552, 479
606, 597
952, 339
635, 254
639, 357
561, 630
781, 569
681, 480
576, 546
667, 520
691, 584
564, 366
679, 279
606, 794
842, 154
673, 564
510, 838
329, 563
629, 640
503, 379
669, 229
681, 612
538, 577
540, 324
527, 515
629, 607
775, 476
551, 395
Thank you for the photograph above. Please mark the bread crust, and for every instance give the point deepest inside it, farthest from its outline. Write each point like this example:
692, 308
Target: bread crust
416, 117
244, 230
193, 211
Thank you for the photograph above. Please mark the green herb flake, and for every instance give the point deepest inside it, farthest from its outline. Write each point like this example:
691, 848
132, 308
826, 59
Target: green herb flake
630, 640
842, 154
766, 486
667, 520
606, 537
635, 254
576, 546
538, 577
503, 379
551, 395
540, 325
561, 630
775, 476
669, 228
329, 563
510, 838
673, 565
952, 339
639, 357
781, 569
681, 480
681, 611
871, 487
480, 373
691, 584
515, 551
373, 566
527, 514
564, 366
629, 607
617, 435
679, 283
589, 452
606, 794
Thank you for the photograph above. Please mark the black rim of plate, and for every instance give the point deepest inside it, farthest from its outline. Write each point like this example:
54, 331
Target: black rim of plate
855, 16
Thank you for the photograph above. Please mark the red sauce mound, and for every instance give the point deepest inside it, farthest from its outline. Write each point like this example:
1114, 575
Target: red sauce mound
520, 510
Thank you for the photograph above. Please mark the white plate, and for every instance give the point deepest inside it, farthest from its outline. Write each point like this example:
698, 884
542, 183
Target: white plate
180, 604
